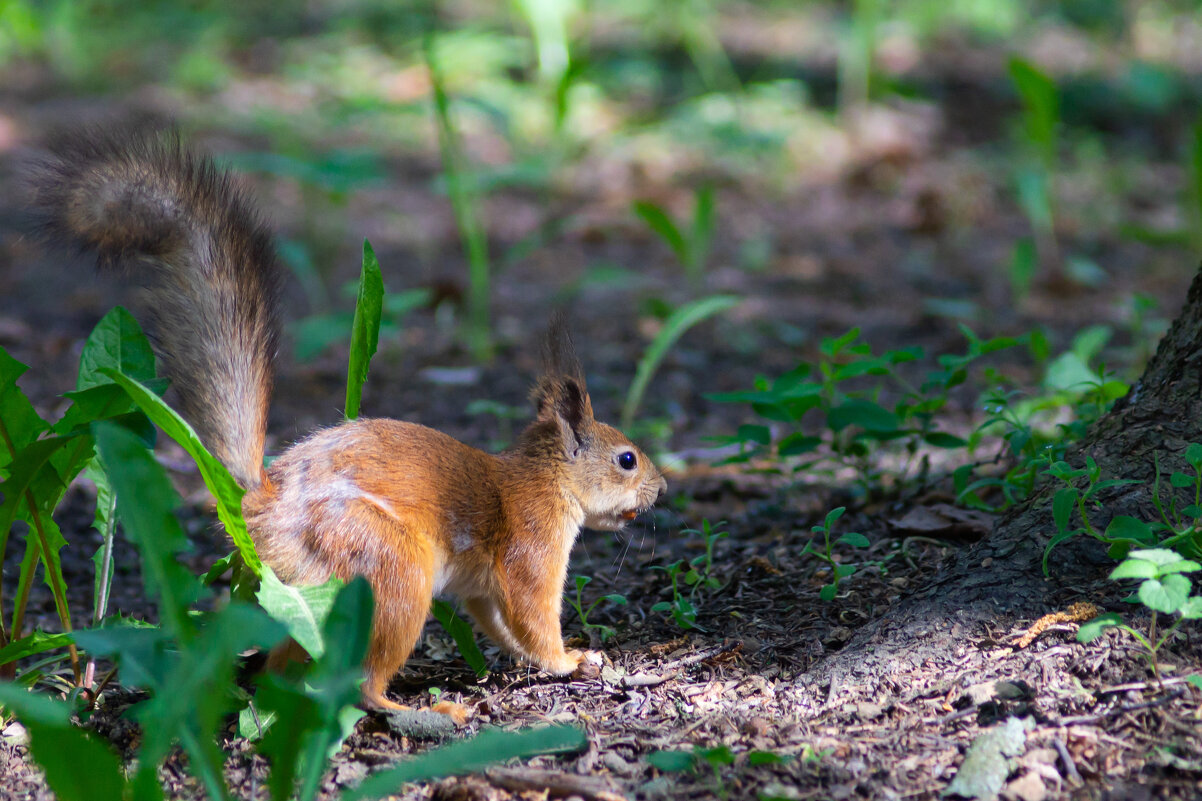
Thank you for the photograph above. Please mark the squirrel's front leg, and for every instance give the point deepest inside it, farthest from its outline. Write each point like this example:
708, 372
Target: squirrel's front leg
532, 619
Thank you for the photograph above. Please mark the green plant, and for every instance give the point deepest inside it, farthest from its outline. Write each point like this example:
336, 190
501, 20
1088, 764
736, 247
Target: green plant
680, 761
463, 635
478, 329
696, 574
365, 329
1040, 140
1163, 588
680, 321
692, 250
826, 552
830, 414
37, 463
577, 603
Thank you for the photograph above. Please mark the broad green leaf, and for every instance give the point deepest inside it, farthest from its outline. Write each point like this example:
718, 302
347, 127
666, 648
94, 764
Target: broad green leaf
116, 342
832, 516
1193, 451
658, 221
854, 539
1157, 556
672, 761
1134, 569
365, 331
461, 631
219, 481
863, 413
1063, 504
941, 439
333, 683
1165, 595
19, 423
302, 610
35, 643
1124, 527
797, 444
761, 435
1041, 104
487, 748
673, 329
828, 592
1180, 480
146, 503
78, 767
1192, 608
1092, 629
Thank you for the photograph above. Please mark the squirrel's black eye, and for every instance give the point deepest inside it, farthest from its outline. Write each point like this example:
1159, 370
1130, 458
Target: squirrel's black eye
626, 460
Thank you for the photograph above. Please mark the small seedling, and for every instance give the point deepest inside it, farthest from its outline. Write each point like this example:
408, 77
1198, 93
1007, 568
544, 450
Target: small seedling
1163, 588
577, 603
692, 250
838, 571
696, 574
680, 761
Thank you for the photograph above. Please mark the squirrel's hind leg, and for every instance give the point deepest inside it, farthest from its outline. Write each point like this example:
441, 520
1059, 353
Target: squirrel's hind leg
402, 581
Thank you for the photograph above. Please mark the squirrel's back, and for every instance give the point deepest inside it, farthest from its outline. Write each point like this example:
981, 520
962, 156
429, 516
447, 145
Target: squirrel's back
143, 202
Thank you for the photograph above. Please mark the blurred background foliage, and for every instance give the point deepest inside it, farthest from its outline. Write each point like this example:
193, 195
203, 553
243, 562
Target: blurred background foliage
1079, 114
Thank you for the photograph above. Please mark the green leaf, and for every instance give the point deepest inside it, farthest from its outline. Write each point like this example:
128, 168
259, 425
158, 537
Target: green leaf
673, 329
797, 444
116, 342
671, 761
78, 767
1192, 608
1134, 569
658, 221
854, 539
1063, 504
828, 592
832, 516
1092, 629
302, 610
146, 503
863, 413
36, 643
486, 748
365, 331
461, 631
219, 481
1165, 595
760, 435
1193, 451
1040, 104
1160, 557
1181, 480
941, 439
1124, 527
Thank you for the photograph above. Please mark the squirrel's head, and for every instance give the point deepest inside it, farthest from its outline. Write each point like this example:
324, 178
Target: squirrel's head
611, 479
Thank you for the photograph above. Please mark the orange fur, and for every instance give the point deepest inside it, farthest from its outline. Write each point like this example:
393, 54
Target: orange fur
415, 511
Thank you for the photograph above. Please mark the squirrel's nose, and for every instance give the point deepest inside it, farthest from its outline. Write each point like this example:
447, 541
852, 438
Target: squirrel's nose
663, 488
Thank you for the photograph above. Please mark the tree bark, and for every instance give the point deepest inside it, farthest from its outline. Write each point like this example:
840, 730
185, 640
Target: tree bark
1000, 579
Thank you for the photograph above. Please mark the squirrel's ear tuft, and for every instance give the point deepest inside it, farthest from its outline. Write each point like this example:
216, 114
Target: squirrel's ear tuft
565, 402
561, 394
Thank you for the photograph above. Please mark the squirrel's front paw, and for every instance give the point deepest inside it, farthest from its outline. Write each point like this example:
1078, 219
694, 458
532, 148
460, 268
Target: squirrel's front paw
588, 665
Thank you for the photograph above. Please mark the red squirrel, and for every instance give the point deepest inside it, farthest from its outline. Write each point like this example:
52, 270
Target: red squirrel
412, 509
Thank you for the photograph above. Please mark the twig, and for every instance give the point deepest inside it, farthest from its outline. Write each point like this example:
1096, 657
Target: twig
704, 655
1070, 767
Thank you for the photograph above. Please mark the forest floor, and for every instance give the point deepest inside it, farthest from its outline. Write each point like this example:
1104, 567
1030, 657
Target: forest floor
907, 239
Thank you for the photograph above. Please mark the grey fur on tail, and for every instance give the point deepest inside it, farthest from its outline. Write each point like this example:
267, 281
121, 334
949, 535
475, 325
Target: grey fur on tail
181, 228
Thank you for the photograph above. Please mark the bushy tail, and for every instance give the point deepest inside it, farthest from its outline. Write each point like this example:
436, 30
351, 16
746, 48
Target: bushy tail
141, 201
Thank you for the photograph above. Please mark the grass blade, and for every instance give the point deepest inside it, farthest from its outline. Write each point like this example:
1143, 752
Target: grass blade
365, 331
674, 328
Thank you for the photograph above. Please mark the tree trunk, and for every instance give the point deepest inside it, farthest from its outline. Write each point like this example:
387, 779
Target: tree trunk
1000, 579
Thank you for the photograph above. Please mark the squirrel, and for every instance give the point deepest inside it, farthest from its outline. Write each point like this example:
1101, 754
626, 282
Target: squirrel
415, 511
